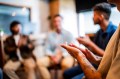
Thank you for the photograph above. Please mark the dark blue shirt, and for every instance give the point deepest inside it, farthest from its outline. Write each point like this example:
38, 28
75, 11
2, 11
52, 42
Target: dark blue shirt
102, 38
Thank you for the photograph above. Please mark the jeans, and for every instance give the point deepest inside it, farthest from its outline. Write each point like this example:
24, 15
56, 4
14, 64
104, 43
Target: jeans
1, 74
74, 72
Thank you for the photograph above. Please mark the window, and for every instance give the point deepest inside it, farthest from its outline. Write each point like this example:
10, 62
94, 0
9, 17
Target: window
9, 13
86, 24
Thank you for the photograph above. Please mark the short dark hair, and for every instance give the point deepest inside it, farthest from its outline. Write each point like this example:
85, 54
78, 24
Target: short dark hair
49, 17
57, 15
103, 8
13, 24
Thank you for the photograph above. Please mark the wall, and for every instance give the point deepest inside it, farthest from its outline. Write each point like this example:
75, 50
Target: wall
86, 21
39, 11
68, 11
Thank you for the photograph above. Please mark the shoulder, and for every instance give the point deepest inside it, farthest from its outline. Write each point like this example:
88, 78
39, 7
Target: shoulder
9, 37
67, 33
113, 28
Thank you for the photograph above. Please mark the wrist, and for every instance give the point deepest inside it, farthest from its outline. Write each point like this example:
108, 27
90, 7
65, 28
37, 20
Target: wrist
80, 56
90, 44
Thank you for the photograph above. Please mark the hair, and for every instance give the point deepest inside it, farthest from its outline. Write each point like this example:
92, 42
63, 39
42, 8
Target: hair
13, 24
103, 8
58, 15
49, 18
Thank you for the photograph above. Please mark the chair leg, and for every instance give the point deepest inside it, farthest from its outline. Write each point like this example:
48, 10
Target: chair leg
56, 74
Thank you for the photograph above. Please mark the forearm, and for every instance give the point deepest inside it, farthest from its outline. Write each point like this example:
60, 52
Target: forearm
89, 71
96, 49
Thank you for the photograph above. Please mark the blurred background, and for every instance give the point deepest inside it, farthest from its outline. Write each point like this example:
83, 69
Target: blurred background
33, 14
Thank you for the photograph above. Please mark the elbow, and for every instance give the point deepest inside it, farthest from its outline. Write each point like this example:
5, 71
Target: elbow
95, 75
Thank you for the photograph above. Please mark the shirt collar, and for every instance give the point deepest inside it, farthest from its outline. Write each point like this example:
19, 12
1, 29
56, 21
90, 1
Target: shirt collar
109, 27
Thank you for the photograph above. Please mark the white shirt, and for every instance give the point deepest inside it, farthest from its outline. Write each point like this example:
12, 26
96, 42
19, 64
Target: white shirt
17, 38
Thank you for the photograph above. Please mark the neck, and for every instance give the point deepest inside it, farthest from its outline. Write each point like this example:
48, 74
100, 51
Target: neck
104, 25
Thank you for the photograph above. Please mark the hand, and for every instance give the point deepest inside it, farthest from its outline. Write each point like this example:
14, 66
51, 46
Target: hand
55, 60
89, 55
76, 53
84, 40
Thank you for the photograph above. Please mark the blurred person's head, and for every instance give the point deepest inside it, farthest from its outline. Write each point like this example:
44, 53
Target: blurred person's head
15, 27
102, 12
57, 22
116, 2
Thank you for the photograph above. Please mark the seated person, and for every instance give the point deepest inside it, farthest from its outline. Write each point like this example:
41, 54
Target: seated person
54, 53
109, 66
101, 16
19, 49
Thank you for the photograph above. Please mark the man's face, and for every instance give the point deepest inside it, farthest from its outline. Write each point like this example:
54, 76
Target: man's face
16, 29
96, 18
57, 22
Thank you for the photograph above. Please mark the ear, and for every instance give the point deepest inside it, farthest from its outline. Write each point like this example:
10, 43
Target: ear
102, 17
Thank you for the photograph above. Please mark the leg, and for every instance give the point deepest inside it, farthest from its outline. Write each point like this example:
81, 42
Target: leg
67, 63
10, 68
30, 68
1, 74
80, 76
70, 73
43, 63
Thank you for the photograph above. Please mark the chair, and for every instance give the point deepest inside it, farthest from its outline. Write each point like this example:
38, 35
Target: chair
56, 68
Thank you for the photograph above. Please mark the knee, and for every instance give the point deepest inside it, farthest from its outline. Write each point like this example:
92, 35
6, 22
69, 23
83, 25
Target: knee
43, 62
31, 66
40, 63
0, 72
65, 74
67, 62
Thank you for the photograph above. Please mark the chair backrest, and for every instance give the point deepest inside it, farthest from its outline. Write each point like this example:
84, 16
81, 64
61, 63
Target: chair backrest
1, 54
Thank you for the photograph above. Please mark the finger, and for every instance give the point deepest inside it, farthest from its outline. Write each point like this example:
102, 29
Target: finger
64, 46
71, 54
67, 47
79, 39
88, 52
81, 49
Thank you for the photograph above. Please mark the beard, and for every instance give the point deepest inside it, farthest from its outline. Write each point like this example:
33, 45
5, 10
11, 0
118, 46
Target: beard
15, 32
96, 22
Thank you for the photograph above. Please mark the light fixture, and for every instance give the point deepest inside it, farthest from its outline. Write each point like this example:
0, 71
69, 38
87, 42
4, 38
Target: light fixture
14, 14
24, 9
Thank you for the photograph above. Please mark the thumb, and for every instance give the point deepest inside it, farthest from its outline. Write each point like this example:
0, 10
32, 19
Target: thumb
67, 47
64, 46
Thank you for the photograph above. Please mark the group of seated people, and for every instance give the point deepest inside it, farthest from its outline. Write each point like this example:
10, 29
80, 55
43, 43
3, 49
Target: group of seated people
19, 49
